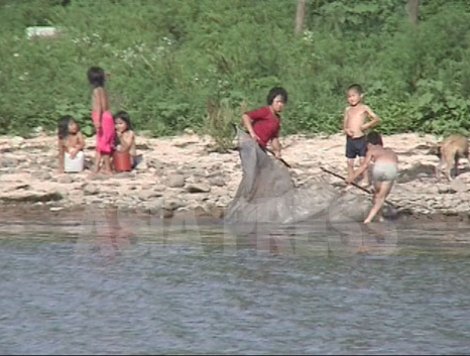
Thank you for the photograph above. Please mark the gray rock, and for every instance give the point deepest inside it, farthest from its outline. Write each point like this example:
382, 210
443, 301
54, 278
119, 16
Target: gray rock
168, 213
458, 185
146, 185
214, 210
100, 176
198, 188
142, 166
91, 189
446, 190
17, 140
8, 162
172, 204
155, 163
175, 181
42, 175
159, 187
224, 201
198, 173
217, 181
215, 168
155, 206
31, 196
66, 179
20, 186
148, 194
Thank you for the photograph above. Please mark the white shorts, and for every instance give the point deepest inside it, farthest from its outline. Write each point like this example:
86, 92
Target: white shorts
383, 172
74, 165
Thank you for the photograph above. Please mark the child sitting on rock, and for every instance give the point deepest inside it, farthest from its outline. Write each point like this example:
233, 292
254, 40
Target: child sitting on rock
125, 143
71, 144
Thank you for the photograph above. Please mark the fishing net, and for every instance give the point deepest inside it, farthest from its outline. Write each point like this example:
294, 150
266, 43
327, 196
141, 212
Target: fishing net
267, 193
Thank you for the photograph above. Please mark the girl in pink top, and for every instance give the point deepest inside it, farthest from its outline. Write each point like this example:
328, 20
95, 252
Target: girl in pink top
102, 120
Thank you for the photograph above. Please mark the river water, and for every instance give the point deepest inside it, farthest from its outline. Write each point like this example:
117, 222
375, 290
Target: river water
104, 282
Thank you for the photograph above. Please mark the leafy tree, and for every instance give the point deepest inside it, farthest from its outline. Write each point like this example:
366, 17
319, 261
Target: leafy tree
168, 59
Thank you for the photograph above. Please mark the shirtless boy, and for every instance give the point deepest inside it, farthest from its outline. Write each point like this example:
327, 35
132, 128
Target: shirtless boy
384, 171
358, 118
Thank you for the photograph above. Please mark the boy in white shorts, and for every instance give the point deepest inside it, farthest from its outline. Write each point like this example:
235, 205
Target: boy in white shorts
384, 171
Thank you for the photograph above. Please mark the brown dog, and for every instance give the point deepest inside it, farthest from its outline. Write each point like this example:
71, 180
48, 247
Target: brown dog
449, 151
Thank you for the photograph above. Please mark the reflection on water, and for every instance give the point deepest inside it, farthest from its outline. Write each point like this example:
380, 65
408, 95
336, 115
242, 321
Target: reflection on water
108, 282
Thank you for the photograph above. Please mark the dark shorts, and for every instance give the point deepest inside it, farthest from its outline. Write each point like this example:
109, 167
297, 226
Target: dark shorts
137, 159
356, 147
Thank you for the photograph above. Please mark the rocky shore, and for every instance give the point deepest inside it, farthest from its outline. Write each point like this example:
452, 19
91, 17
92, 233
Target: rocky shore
184, 173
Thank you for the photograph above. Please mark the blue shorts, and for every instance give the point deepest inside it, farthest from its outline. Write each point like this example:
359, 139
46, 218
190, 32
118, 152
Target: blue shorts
356, 147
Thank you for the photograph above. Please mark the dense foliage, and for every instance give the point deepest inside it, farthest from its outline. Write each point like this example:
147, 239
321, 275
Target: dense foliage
177, 64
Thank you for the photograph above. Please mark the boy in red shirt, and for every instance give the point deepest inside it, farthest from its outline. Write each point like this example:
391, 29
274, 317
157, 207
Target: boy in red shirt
264, 124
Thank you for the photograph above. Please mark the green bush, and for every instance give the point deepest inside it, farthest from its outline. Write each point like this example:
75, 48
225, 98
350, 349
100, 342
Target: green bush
166, 59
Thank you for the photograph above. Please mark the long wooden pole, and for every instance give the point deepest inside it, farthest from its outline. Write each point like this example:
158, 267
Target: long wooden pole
354, 184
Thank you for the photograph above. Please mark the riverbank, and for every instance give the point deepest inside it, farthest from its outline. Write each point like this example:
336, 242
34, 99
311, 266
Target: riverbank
184, 174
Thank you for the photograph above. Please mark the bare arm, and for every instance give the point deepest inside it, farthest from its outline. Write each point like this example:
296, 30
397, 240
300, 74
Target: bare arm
104, 100
61, 156
100, 103
346, 129
249, 126
345, 121
96, 109
127, 141
375, 120
80, 142
276, 147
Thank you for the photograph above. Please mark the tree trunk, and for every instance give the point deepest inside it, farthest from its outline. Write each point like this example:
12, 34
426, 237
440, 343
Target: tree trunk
300, 16
413, 10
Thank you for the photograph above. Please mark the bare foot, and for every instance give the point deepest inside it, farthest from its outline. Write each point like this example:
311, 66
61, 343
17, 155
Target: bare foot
364, 184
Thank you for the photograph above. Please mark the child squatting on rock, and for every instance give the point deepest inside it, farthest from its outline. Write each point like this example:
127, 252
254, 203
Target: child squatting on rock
125, 142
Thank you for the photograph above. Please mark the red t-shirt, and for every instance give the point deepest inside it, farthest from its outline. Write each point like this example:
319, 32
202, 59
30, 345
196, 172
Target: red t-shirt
265, 124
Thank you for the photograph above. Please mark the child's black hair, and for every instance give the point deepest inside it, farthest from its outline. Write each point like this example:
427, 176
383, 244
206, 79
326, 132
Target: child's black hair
124, 116
355, 87
63, 126
96, 76
275, 92
374, 138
